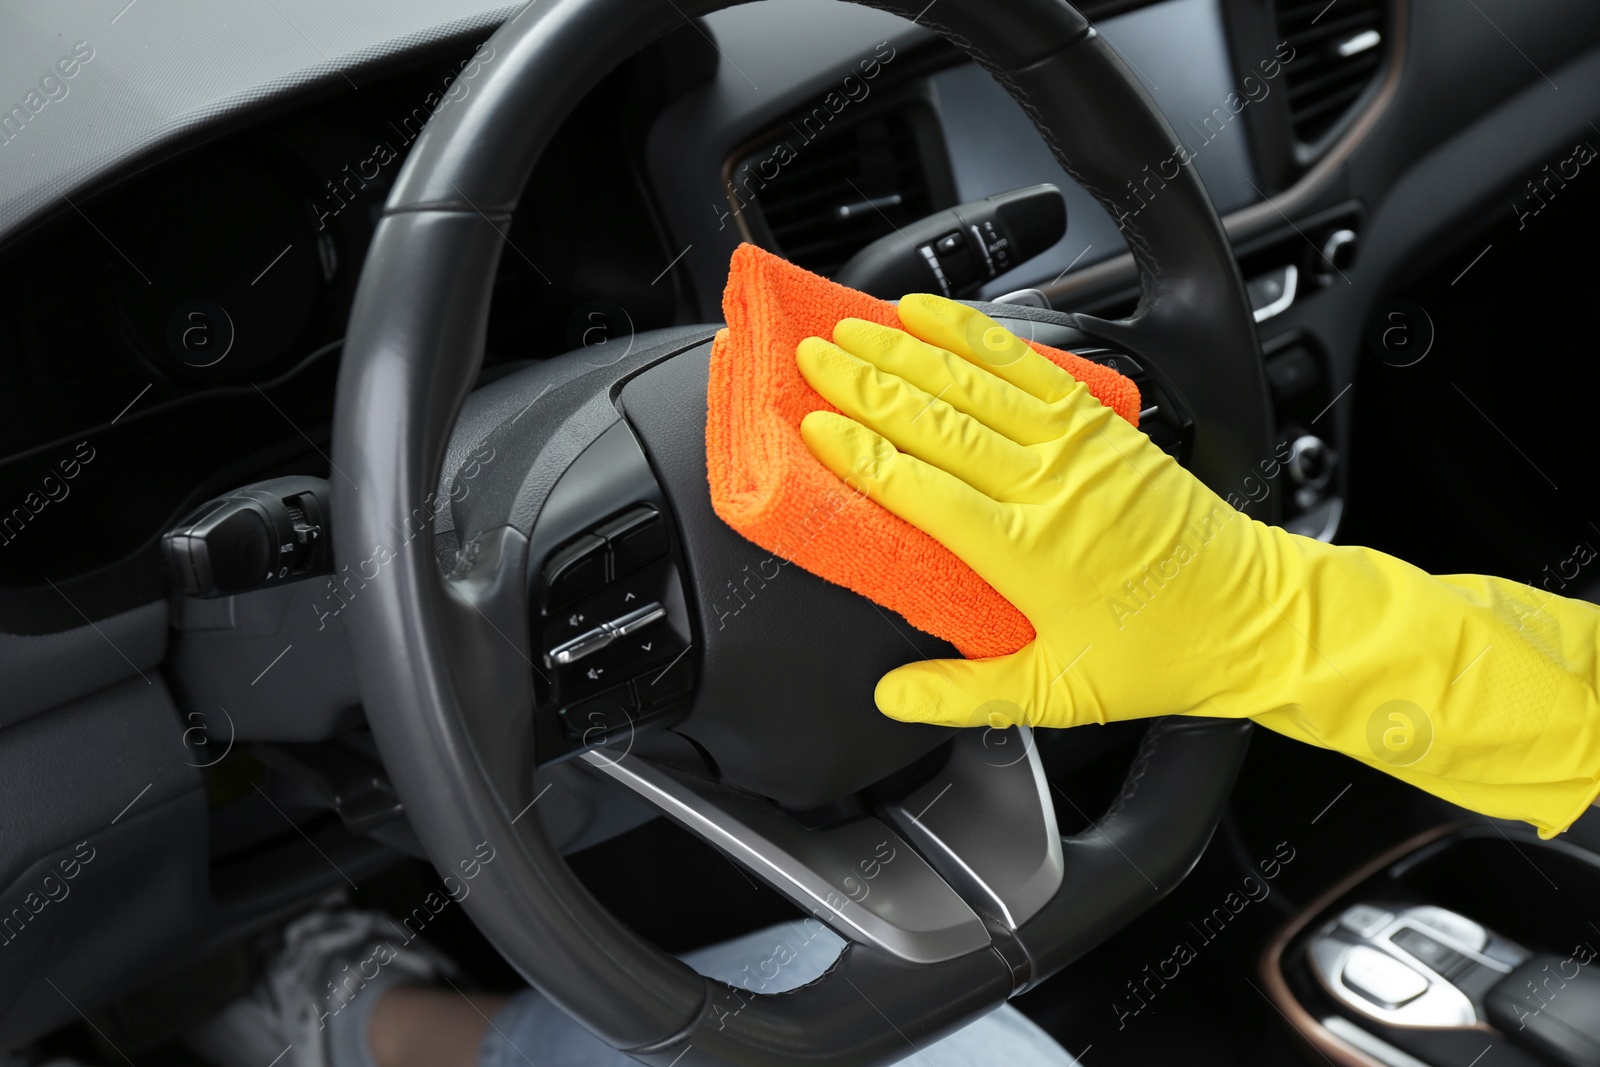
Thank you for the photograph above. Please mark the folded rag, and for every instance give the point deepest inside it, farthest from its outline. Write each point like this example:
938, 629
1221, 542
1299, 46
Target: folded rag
768, 486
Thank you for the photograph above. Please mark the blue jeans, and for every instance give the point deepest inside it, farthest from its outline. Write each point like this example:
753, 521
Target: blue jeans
530, 1029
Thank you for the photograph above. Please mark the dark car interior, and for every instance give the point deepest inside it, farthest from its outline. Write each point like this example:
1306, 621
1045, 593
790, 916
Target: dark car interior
345, 468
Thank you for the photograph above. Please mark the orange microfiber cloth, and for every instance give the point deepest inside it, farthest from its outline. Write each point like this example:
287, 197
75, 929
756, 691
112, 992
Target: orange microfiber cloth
768, 486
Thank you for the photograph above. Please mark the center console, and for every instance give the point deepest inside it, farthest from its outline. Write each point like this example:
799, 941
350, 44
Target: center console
1467, 939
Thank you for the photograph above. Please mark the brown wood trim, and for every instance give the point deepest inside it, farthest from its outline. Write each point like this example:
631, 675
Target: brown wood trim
1304, 1023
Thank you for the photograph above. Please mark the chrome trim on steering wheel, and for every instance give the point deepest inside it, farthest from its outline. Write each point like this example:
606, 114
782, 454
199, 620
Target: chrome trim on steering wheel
988, 825
861, 878
983, 829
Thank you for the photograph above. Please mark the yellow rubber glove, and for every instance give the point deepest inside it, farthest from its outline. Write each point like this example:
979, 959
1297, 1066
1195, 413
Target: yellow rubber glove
1151, 595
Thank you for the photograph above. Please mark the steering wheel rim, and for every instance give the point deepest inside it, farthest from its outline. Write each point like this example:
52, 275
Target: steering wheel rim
442, 690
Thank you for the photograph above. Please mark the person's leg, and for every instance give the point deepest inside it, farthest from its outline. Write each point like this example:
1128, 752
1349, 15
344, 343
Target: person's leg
346, 988
413, 1027
425, 1026
324, 977
789, 955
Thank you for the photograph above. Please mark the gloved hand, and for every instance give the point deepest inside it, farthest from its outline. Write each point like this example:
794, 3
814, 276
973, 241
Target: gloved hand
1151, 595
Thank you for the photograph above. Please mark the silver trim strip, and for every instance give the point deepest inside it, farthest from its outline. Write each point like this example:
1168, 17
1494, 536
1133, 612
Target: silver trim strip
604, 634
1032, 298
1364, 41
1375, 1047
988, 261
1291, 289
988, 825
860, 878
1336, 243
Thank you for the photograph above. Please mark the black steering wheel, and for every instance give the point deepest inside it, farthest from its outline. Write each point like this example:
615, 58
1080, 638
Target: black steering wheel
577, 496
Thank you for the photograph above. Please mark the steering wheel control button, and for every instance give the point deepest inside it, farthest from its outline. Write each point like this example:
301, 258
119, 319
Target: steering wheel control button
590, 721
1381, 978
637, 538
635, 621
1162, 417
668, 684
575, 572
603, 635
617, 659
579, 647
613, 630
631, 629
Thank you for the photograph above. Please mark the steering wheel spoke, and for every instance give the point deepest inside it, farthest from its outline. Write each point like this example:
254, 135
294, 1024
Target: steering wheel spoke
926, 878
987, 823
861, 877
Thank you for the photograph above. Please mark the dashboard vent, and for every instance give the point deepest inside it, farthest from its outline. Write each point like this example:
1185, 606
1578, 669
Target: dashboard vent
840, 191
1338, 49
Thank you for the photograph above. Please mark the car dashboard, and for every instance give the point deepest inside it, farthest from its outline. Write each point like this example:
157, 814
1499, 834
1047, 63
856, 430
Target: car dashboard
186, 198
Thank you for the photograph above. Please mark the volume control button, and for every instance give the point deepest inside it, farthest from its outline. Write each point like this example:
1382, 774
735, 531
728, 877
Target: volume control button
594, 640
574, 572
637, 620
581, 646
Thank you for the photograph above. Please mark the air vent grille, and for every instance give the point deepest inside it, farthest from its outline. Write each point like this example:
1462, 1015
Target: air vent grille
840, 191
1338, 50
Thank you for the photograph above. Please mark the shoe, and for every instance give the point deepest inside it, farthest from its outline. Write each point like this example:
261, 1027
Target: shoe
330, 968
